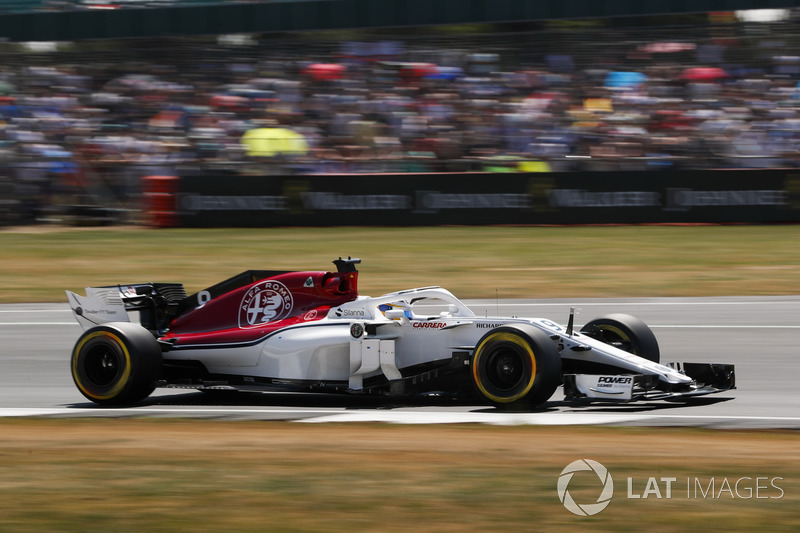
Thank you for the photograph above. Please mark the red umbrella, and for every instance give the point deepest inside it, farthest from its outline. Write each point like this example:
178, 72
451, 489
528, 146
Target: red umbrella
325, 71
704, 74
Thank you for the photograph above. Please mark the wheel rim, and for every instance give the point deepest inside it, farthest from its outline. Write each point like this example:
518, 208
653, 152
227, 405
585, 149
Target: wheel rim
504, 368
102, 366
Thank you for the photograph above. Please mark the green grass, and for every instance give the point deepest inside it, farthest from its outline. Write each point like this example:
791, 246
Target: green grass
166, 475
473, 262
171, 475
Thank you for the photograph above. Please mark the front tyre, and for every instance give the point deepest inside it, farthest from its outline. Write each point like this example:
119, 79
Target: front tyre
625, 332
116, 363
516, 366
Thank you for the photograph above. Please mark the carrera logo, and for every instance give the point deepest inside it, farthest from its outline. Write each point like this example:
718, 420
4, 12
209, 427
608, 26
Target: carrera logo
621, 380
428, 325
267, 301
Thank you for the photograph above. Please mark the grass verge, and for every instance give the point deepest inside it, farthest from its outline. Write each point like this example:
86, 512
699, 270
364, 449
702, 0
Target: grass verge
167, 475
473, 262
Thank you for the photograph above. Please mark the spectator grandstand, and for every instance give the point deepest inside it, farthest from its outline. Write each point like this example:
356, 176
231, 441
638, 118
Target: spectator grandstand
560, 97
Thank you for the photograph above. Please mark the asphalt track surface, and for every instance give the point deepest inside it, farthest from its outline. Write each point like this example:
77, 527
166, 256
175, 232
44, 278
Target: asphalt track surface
760, 335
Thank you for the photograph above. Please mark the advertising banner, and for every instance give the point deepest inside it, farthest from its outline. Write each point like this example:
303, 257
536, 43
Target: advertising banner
732, 196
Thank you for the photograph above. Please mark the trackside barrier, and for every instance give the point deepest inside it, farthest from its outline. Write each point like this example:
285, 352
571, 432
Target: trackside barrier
537, 198
159, 198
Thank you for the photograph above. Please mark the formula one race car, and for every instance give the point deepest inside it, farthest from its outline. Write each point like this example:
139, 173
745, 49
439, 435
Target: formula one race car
311, 331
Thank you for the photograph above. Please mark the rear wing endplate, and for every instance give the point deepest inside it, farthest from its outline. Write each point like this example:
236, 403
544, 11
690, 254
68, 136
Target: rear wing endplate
100, 305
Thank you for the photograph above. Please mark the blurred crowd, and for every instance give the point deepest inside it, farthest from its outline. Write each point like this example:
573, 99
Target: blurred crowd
394, 106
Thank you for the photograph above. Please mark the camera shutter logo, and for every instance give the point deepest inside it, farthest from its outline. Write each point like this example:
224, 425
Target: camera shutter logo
587, 509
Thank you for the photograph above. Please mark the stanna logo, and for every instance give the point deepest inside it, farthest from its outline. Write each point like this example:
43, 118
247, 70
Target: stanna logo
585, 509
264, 302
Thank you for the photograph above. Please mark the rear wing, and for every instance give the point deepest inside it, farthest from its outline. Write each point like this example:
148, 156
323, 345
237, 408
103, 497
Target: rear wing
153, 305
157, 304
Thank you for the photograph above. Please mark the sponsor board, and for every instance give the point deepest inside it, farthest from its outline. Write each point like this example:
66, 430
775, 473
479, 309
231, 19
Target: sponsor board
539, 198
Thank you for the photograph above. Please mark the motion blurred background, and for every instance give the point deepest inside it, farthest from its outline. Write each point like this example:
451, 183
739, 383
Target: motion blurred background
178, 114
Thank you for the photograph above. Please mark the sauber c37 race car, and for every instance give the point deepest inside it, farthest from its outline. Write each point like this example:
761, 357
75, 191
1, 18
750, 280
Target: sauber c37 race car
312, 331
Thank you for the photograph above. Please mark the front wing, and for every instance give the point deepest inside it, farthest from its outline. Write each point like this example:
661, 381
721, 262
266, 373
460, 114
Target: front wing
707, 378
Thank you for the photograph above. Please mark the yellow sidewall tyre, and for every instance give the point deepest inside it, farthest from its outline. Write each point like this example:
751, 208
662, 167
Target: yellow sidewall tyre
116, 363
516, 366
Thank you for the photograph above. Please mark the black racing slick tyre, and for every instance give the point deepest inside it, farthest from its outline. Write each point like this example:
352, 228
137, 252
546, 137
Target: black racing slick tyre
516, 366
625, 332
116, 363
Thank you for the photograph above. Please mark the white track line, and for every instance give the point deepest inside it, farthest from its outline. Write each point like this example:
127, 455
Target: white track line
544, 419
39, 324
15, 311
141, 411
403, 416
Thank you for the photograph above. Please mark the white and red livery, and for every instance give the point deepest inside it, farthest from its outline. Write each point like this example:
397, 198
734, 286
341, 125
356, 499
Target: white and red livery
312, 331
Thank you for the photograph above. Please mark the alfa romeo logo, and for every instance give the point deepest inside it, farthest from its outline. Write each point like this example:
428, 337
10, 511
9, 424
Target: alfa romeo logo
356, 330
586, 509
267, 301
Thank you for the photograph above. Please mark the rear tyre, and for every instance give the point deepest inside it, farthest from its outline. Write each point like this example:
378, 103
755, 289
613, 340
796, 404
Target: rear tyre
516, 366
116, 363
625, 332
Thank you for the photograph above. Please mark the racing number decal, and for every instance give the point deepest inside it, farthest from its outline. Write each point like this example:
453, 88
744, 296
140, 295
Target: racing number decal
203, 297
552, 325
267, 301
